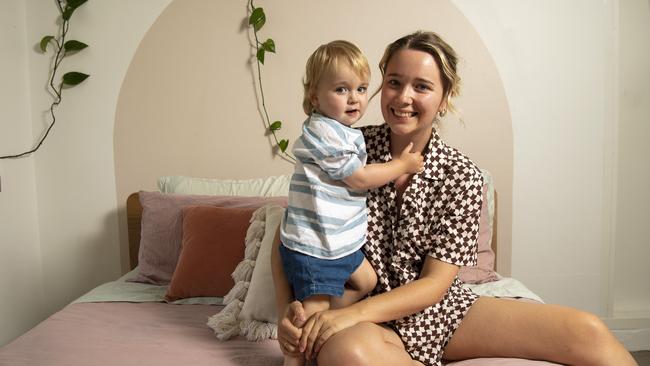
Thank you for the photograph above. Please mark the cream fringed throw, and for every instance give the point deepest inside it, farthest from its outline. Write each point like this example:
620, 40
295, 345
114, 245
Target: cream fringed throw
250, 304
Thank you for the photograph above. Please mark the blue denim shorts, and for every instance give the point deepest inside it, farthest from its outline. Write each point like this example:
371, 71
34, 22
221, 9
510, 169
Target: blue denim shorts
309, 276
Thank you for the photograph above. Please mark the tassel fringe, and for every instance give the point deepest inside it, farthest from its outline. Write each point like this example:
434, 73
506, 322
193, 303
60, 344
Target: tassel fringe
243, 271
238, 292
256, 331
225, 323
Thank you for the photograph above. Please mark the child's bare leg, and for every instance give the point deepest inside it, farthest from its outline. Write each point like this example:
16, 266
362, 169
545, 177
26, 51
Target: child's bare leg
311, 305
361, 282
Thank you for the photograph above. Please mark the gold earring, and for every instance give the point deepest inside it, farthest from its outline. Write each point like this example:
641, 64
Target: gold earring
442, 113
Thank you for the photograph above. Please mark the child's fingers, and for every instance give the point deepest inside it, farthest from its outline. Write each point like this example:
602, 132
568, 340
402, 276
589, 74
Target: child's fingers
298, 312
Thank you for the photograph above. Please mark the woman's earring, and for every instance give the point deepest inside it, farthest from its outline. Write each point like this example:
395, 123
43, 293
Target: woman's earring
442, 113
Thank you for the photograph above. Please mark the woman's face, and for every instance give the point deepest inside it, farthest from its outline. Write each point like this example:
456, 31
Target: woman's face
411, 93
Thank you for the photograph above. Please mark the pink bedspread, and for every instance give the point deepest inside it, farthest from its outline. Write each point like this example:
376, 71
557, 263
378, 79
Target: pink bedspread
146, 334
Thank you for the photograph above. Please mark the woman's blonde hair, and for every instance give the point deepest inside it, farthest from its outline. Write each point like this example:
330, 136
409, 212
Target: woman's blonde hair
328, 58
441, 51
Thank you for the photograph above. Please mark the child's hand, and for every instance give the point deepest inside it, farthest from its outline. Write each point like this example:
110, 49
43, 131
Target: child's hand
413, 161
289, 329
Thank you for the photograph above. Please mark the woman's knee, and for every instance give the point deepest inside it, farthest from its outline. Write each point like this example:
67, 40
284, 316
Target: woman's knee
587, 327
591, 337
352, 346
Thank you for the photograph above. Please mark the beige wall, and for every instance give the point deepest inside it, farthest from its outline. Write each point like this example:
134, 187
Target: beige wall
191, 109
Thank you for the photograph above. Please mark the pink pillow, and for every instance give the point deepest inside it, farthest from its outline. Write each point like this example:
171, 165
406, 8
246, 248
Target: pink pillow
213, 245
483, 271
162, 229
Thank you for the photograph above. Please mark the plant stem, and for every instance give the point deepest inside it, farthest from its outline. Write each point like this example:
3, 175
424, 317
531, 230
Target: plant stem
267, 121
60, 54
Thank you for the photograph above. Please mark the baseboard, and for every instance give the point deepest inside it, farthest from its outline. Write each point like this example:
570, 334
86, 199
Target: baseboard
634, 339
634, 333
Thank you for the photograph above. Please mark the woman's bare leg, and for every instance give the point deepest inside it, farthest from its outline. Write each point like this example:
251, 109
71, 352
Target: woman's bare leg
505, 328
365, 344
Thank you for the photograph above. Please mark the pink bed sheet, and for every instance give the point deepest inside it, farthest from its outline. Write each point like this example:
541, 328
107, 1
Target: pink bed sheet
146, 334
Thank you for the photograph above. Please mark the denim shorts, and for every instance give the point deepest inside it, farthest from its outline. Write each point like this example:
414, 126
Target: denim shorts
309, 276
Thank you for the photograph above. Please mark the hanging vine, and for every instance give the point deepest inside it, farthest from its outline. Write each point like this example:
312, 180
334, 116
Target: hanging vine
257, 19
62, 49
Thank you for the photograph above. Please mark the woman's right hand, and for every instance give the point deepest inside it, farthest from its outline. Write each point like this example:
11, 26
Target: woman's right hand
290, 328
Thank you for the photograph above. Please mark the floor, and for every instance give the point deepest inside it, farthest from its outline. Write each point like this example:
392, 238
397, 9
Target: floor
642, 357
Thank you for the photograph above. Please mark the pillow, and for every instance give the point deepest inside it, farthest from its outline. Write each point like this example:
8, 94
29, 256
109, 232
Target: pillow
213, 245
251, 309
484, 270
162, 230
262, 187
260, 301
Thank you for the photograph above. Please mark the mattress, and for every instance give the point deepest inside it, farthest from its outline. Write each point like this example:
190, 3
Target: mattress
126, 323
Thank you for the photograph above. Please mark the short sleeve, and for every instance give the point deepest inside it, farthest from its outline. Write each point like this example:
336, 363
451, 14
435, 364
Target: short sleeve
337, 150
456, 240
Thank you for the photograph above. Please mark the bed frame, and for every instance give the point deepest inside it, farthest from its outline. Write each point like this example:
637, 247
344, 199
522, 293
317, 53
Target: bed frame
134, 218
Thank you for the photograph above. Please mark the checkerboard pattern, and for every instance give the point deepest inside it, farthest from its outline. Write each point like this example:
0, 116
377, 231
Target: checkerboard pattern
438, 217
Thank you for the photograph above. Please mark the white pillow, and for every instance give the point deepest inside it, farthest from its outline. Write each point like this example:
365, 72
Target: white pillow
259, 187
250, 305
260, 301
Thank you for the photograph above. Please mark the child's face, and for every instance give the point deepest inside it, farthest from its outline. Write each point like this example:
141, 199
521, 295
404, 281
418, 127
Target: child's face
341, 95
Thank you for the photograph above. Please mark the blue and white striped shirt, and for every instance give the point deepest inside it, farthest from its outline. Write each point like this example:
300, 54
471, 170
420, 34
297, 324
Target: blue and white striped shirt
325, 218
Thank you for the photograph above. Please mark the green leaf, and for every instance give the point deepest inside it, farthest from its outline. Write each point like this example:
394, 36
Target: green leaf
260, 55
269, 45
74, 78
75, 3
257, 19
73, 45
45, 41
283, 145
276, 125
67, 13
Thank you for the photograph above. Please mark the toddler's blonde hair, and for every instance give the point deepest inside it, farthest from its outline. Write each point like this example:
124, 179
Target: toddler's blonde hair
328, 58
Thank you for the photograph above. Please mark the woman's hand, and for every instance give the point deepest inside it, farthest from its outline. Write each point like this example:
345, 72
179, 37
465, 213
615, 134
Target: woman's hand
289, 328
321, 326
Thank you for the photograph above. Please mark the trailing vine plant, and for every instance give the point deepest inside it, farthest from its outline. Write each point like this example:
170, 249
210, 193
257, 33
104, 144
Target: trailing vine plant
256, 20
62, 49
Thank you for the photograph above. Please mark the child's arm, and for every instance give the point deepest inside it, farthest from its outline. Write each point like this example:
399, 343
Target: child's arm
376, 175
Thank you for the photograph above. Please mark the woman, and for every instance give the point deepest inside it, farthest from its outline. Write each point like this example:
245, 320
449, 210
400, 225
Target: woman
421, 228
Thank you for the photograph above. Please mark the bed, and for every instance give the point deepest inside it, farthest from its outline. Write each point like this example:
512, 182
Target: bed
163, 319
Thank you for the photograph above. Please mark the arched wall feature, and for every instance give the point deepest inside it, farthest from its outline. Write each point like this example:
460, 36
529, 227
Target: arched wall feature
188, 104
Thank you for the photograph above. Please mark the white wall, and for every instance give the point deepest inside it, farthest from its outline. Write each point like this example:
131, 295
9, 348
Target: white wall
77, 247
578, 91
76, 162
633, 200
630, 286
21, 281
552, 70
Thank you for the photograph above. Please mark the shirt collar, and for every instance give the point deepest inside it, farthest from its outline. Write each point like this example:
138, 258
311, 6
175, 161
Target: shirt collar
435, 154
435, 158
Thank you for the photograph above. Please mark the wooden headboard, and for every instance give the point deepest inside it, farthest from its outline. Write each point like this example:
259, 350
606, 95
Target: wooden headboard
134, 218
